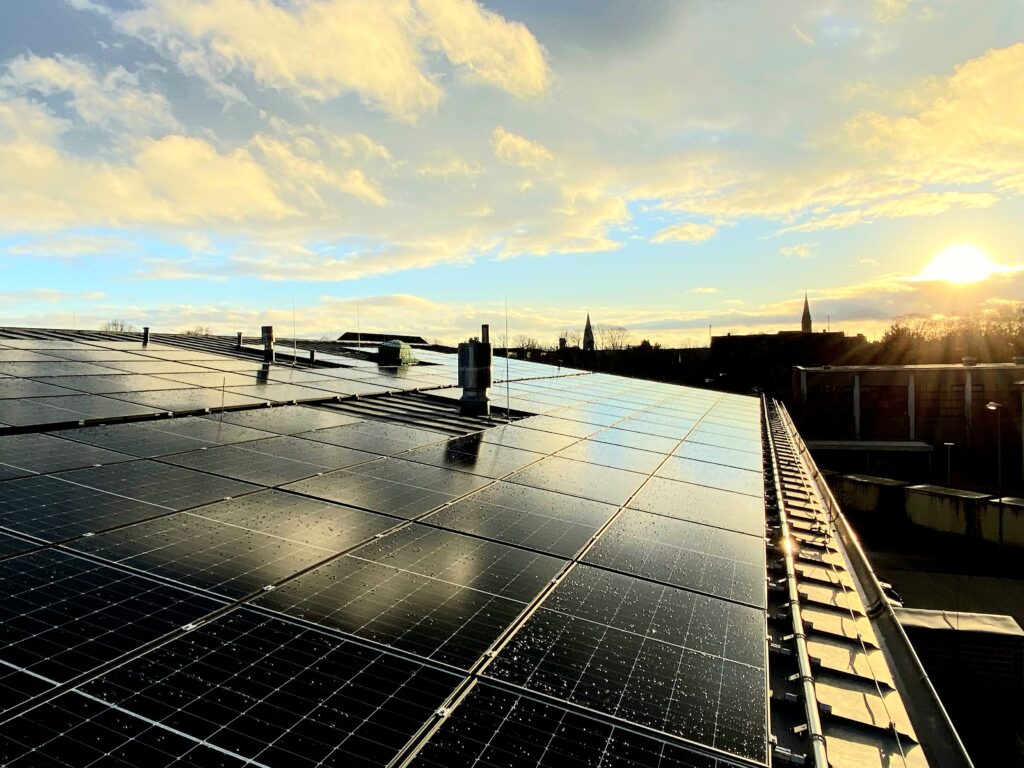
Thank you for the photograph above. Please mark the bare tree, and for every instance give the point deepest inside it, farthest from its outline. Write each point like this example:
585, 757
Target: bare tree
611, 337
524, 342
198, 330
572, 338
117, 325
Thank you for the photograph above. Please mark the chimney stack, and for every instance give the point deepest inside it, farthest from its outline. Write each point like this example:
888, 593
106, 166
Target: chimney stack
475, 374
268, 343
238, 340
145, 335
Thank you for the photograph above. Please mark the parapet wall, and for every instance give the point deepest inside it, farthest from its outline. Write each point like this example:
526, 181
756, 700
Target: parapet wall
949, 510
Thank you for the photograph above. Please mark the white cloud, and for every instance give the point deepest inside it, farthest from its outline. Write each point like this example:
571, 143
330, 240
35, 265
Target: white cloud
514, 149
800, 250
684, 233
113, 98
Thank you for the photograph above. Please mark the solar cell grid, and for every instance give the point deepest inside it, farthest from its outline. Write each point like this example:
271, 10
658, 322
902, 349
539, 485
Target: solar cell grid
53, 509
495, 727
158, 483
609, 455
64, 410
577, 478
726, 441
686, 664
43, 453
471, 454
709, 506
240, 464
524, 516
713, 475
62, 616
323, 455
559, 426
689, 555
225, 559
716, 455
528, 439
297, 518
112, 382
639, 440
372, 493
484, 565
12, 388
55, 368
210, 430
191, 399
287, 420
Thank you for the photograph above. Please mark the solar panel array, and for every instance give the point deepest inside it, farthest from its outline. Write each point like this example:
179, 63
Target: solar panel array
298, 586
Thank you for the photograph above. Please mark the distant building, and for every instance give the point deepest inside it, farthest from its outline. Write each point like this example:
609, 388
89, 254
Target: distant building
588, 336
355, 337
805, 320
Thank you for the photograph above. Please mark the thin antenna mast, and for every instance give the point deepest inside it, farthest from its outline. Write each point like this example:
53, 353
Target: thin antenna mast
359, 333
295, 343
508, 396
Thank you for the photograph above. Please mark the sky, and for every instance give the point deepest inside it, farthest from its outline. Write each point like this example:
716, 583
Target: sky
410, 166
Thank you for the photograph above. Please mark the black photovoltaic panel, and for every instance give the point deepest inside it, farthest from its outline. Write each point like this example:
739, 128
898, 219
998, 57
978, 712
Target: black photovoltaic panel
750, 442
194, 399
208, 378
205, 553
375, 437
413, 600
530, 517
527, 439
64, 410
709, 506
152, 367
148, 440
62, 615
716, 455
684, 554
713, 475
279, 392
577, 478
54, 509
272, 693
608, 455
322, 455
113, 382
558, 426
7, 472
235, 462
470, 454
639, 440
158, 483
298, 518
12, 545
486, 566
494, 727
17, 388
209, 430
686, 664
54, 368
288, 420
414, 489
43, 453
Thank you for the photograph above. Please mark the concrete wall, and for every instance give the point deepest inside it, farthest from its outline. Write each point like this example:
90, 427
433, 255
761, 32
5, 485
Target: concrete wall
949, 510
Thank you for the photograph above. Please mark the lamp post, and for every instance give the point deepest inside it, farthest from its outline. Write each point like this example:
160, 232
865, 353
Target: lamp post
997, 407
949, 449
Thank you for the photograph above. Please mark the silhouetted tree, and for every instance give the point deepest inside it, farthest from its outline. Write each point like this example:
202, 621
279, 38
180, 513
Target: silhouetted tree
117, 325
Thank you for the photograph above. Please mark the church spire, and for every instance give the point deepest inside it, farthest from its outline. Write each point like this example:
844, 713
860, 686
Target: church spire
805, 320
588, 336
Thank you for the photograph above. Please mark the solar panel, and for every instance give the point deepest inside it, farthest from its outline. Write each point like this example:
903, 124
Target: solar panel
11, 387
528, 517
559, 426
12, 545
43, 453
495, 727
606, 454
716, 455
402, 592
713, 475
685, 664
470, 454
240, 464
528, 439
288, 420
54, 509
113, 382
192, 399
269, 692
577, 478
375, 437
684, 554
64, 410
639, 440
709, 506
205, 553
62, 615
415, 489
163, 484
322, 455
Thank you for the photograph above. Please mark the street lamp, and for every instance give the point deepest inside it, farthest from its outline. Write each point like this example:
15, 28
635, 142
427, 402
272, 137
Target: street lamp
949, 449
997, 407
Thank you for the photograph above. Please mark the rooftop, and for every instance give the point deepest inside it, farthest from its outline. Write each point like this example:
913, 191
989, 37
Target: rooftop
208, 558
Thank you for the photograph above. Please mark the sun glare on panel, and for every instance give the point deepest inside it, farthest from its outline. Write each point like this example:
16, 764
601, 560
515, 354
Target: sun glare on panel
961, 263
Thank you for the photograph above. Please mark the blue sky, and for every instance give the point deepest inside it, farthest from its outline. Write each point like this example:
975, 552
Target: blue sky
662, 165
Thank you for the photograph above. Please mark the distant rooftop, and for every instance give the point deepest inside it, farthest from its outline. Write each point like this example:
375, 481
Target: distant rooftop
377, 338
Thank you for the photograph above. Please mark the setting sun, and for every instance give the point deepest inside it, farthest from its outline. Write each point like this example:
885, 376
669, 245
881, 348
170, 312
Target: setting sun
961, 263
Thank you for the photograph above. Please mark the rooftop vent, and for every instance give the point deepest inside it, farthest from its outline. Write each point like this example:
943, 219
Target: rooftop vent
475, 374
395, 352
